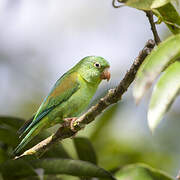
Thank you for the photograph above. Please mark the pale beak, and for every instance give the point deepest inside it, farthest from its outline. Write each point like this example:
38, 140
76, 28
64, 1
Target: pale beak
105, 74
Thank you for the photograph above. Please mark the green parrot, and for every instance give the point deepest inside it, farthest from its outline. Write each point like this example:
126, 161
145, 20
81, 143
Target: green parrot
70, 96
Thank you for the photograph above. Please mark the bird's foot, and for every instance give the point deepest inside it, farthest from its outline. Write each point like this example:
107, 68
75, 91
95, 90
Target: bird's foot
70, 121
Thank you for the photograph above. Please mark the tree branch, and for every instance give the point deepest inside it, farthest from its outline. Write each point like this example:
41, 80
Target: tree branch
113, 96
149, 14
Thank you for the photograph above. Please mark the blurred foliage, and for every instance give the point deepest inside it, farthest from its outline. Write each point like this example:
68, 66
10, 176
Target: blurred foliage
54, 162
103, 122
141, 172
168, 86
57, 161
85, 150
27, 166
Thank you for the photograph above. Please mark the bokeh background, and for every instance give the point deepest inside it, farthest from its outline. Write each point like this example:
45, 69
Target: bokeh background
42, 39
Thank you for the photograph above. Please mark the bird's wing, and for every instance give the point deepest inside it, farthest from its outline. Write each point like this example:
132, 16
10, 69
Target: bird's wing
64, 88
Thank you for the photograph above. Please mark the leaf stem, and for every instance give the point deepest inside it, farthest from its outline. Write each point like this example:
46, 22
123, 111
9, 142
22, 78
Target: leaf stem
149, 15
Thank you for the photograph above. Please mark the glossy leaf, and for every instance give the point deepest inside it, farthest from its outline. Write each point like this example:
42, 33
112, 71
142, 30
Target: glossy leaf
71, 167
145, 4
164, 93
160, 57
141, 172
21, 168
169, 15
85, 150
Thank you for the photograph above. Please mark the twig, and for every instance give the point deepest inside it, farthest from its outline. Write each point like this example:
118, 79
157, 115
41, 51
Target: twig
149, 14
113, 96
115, 6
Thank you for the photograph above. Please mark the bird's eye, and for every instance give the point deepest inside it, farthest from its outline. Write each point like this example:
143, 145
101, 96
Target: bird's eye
96, 64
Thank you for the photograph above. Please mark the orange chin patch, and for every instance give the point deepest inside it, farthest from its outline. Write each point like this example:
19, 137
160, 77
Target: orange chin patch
106, 74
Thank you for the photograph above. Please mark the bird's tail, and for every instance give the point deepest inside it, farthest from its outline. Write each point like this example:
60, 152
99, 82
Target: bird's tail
31, 134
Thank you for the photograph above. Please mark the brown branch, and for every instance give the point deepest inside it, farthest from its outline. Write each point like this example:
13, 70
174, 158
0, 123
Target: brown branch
149, 14
113, 96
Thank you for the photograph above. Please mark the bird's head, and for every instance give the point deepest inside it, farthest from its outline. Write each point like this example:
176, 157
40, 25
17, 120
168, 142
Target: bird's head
94, 69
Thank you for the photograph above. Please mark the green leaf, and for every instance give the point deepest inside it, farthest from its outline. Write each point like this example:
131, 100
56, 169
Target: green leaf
164, 93
164, 54
71, 167
57, 151
159, 3
3, 156
139, 4
22, 168
85, 150
8, 136
11, 121
103, 121
169, 16
16, 169
145, 4
141, 172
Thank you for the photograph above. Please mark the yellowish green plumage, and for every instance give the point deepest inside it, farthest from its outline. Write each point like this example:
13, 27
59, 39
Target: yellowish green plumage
68, 98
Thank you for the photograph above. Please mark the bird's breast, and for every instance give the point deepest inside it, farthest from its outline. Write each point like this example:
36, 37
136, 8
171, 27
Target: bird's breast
79, 101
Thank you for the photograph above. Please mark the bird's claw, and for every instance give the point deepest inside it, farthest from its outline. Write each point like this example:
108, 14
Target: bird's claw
71, 121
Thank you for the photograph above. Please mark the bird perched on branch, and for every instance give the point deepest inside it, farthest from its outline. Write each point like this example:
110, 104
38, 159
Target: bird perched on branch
70, 95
